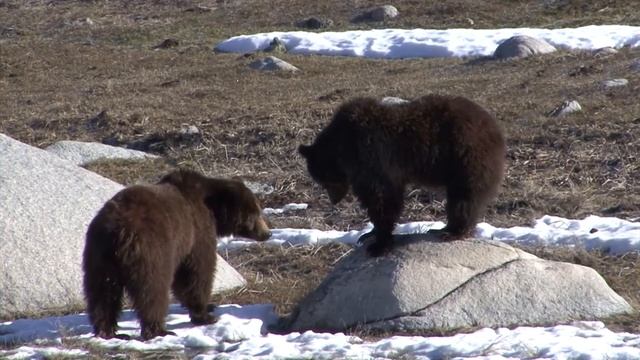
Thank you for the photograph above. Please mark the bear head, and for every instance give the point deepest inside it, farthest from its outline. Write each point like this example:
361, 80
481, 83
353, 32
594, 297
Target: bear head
234, 208
325, 170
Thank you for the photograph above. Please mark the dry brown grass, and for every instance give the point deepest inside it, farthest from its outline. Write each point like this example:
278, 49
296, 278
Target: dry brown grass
59, 71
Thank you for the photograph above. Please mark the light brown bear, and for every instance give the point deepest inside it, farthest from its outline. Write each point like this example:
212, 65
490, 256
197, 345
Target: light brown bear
436, 141
150, 239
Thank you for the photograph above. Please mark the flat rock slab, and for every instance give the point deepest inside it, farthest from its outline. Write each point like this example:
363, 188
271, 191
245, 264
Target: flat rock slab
82, 153
47, 204
272, 63
425, 284
613, 83
567, 107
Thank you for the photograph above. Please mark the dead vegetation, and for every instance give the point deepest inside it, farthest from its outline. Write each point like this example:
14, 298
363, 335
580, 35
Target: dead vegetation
88, 70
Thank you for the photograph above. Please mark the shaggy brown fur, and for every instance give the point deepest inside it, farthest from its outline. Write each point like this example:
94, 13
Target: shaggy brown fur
149, 239
435, 141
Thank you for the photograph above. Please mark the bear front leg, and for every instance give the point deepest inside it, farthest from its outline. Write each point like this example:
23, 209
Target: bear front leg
383, 202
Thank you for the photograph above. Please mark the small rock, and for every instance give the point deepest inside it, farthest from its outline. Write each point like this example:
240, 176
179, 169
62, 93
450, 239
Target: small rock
567, 107
635, 65
608, 84
166, 44
292, 207
604, 52
378, 13
521, 46
259, 188
9, 31
314, 23
161, 142
392, 100
555, 4
199, 9
272, 63
101, 121
585, 70
276, 46
189, 130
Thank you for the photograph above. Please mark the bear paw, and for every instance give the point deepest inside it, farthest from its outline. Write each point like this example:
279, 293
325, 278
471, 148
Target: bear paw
206, 319
148, 335
446, 235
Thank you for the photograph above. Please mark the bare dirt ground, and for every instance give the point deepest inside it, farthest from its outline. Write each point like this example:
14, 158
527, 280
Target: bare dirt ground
88, 70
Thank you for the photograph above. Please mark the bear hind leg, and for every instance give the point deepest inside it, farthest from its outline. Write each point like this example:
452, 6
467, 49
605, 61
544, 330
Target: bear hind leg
192, 286
104, 294
150, 298
463, 211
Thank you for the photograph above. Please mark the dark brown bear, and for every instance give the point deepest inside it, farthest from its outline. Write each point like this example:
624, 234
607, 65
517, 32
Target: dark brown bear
435, 141
150, 239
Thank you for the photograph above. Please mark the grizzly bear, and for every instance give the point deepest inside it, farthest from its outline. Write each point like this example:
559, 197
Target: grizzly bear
435, 141
150, 239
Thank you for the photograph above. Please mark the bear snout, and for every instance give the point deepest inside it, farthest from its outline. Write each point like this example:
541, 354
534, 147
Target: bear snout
262, 230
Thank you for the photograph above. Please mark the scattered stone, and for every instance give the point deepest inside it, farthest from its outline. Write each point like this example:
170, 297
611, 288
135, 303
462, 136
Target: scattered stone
335, 95
608, 84
259, 188
378, 13
189, 130
314, 23
82, 153
521, 46
392, 100
555, 4
47, 204
199, 9
272, 63
101, 121
166, 44
635, 65
170, 83
425, 284
161, 142
583, 70
567, 107
276, 46
605, 51
9, 31
285, 209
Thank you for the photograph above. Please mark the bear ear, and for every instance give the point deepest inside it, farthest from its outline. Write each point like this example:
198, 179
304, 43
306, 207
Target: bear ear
174, 177
305, 150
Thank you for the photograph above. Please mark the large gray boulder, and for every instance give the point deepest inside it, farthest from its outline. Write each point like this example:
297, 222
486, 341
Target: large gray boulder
521, 46
46, 206
425, 284
82, 153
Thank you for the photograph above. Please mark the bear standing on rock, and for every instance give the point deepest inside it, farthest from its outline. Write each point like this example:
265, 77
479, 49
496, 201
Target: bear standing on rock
149, 239
435, 141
